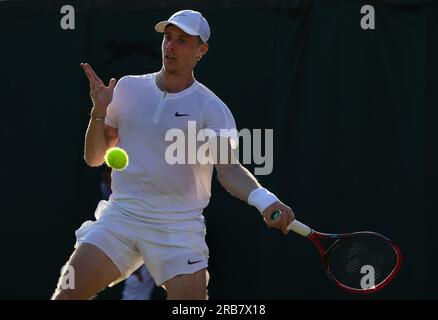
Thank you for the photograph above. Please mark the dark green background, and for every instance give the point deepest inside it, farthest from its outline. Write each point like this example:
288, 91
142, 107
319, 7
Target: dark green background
348, 109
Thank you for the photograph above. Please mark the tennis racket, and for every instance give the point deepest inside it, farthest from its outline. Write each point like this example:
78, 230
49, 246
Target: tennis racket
358, 262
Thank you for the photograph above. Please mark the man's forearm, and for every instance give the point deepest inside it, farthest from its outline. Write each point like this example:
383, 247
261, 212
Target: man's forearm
95, 142
237, 180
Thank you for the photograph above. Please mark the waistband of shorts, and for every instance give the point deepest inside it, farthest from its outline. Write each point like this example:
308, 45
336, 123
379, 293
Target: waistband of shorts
158, 217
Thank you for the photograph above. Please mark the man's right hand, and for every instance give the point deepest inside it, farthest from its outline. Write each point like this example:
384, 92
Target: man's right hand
99, 93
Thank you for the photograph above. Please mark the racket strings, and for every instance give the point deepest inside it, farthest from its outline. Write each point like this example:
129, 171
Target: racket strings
361, 261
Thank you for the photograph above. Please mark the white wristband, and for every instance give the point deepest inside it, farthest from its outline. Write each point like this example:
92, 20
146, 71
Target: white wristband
261, 198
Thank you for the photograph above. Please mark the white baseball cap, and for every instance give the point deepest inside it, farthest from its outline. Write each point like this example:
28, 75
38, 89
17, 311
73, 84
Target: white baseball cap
189, 21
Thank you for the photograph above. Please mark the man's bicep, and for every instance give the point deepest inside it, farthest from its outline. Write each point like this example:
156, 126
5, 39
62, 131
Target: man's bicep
221, 151
111, 135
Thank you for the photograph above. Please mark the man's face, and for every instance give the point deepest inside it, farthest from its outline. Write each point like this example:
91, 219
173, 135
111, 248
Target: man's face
181, 51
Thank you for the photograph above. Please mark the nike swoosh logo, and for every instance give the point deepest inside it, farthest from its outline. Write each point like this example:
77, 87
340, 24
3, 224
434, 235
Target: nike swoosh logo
193, 262
177, 114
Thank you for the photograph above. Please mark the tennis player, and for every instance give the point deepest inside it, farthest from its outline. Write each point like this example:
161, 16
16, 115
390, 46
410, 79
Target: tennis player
154, 214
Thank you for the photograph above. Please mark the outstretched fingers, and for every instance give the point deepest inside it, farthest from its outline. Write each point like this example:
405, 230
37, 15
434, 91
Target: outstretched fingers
95, 81
112, 83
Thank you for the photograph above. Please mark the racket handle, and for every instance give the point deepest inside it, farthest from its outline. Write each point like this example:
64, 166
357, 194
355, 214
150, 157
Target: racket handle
300, 228
295, 226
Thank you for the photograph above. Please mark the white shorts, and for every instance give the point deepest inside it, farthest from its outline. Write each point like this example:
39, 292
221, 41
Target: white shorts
168, 248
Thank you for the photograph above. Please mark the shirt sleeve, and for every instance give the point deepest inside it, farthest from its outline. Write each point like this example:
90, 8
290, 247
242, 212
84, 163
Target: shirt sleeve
112, 112
218, 117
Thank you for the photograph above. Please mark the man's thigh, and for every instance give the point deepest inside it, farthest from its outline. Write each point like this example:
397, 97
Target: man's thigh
90, 269
188, 286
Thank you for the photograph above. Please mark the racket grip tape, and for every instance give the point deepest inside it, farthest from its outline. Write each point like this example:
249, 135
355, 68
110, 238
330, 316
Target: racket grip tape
295, 226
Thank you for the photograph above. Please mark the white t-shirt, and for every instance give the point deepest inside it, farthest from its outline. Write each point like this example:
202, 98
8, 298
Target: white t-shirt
150, 187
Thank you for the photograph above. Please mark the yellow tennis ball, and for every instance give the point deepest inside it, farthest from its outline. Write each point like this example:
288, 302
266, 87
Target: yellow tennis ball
116, 158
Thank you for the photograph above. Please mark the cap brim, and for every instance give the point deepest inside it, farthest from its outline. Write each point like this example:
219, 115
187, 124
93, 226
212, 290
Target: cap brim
161, 26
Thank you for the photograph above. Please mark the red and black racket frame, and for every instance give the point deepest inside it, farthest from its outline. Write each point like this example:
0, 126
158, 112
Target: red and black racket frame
316, 238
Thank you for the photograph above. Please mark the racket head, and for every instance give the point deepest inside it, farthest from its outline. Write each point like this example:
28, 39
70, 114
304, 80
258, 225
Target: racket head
360, 262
